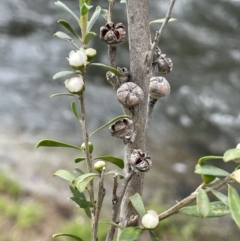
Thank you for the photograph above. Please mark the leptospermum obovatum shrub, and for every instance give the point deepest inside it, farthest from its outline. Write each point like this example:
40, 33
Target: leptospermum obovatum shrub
87, 184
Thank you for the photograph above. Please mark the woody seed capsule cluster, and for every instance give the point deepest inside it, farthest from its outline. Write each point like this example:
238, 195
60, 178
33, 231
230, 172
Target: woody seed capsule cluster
113, 34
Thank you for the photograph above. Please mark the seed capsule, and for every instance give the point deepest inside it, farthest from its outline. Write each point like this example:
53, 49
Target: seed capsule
162, 65
158, 87
130, 94
140, 161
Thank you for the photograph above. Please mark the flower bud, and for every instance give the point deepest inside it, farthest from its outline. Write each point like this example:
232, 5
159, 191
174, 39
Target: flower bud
91, 53
90, 147
99, 166
236, 175
238, 146
150, 220
77, 59
75, 85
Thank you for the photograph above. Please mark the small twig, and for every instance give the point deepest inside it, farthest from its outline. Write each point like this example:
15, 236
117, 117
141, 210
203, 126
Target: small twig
114, 192
117, 204
112, 52
110, 9
191, 198
101, 194
160, 31
151, 104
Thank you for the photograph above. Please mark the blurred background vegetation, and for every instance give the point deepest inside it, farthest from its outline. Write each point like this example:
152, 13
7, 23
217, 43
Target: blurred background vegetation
200, 117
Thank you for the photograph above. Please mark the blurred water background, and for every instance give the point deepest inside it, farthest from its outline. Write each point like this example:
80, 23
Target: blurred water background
201, 116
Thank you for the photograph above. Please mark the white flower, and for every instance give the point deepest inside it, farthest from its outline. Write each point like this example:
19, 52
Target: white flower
75, 85
236, 175
77, 58
150, 220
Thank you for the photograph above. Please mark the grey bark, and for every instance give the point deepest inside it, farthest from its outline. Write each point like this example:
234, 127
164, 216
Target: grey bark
139, 46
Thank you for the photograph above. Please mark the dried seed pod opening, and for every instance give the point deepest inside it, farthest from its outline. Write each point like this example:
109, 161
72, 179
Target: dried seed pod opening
130, 94
140, 161
122, 129
156, 54
162, 65
158, 87
112, 34
125, 75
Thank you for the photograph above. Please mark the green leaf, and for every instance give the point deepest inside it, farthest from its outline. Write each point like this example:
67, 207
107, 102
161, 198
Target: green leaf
104, 13
79, 159
232, 155
63, 73
208, 179
234, 204
110, 222
203, 159
217, 209
115, 173
110, 122
153, 236
203, 204
66, 9
81, 202
88, 37
78, 171
210, 170
81, 186
74, 109
161, 20
61, 94
130, 234
68, 27
94, 18
65, 175
114, 160
67, 235
137, 203
84, 176
220, 196
52, 143
115, 71
63, 36
85, 9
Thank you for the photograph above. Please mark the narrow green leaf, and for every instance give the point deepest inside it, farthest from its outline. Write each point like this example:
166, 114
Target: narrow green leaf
81, 202
116, 173
78, 171
63, 73
65, 175
217, 209
66, 9
114, 160
208, 179
203, 204
52, 143
104, 13
88, 37
81, 186
161, 20
85, 9
130, 234
67, 25
220, 196
84, 176
203, 159
74, 109
137, 203
67, 235
61, 94
63, 36
234, 204
115, 71
79, 159
153, 236
110, 222
205, 169
110, 122
94, 18
232, 155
